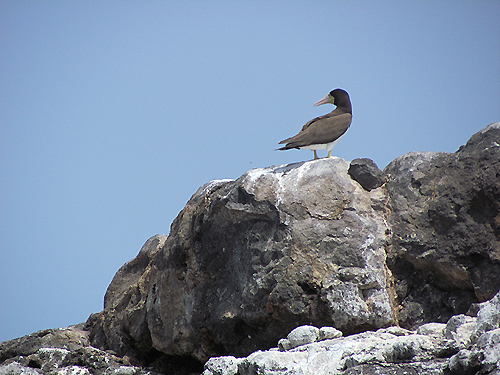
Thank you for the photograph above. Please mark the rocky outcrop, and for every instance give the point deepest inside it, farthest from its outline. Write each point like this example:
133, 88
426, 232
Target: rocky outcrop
444, 218
465, 345
434, 348
249, 260
392, 260
62, 351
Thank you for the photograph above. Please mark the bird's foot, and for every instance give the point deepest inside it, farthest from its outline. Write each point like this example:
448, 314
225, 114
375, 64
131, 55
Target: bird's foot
315, 155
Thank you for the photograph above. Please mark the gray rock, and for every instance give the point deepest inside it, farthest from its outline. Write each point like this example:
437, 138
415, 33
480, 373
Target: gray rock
306, 245
355, 354
14, 368
445, 225
396, 331
48, 359
70, 338
483, 336
306, 335
483, 357
488, 317
72, 370
284, 344
459, 329
59, 352
249, 260
326, 333
366, 173
431, 329
303, 335
222, 366
489, 347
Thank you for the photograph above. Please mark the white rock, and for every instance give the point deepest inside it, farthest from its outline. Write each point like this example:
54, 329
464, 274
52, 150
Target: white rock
15, 368
431, 329
222, 366
488, 317
459, 328
71, 370
303, 335
326, 333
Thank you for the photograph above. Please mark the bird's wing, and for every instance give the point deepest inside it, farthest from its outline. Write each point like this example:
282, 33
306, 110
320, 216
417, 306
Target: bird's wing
320, 130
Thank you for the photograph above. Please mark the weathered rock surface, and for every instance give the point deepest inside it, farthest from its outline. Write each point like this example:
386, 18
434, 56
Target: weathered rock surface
326, 243
249, 260
444, 248
62, 351
366, 172
435, 348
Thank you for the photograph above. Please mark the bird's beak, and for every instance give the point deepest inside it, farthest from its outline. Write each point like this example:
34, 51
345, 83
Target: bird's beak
325, 100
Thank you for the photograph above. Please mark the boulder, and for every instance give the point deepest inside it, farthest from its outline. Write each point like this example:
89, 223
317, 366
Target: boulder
248, 260
306, 334
444, 219
366, 172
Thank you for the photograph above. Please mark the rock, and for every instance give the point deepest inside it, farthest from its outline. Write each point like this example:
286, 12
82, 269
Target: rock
478, 339
61, 351
306, 335
431, 329
366, 172
326, 333
488, 346
483, 357
222, 366
435, 348
459, 329
70, 338
284, 345
249, 260
14, 368
488, 317
359, 353
444, 250
303, 335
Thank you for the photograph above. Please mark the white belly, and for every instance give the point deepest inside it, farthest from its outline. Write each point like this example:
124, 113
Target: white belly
323, 146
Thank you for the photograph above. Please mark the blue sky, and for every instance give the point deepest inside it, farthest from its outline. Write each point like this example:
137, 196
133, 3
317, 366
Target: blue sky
113, 113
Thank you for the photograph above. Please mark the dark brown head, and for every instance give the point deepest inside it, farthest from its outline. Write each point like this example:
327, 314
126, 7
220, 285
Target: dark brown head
338, 97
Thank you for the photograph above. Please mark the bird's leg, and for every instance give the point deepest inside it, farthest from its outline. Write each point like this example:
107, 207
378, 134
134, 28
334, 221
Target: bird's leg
315, 155
330, 154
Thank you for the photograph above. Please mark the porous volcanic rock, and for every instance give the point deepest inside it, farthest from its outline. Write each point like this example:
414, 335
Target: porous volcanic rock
445, 224
247, 261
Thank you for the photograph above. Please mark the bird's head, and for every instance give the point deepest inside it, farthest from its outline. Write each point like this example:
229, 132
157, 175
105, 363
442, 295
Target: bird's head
338, 97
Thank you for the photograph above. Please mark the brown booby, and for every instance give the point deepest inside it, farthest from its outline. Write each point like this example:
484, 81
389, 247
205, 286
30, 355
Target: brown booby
324, 132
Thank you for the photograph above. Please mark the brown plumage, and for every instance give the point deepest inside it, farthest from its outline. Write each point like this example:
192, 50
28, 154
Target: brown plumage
324, 132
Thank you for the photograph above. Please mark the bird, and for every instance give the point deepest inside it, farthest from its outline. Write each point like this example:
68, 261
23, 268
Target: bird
325, 131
